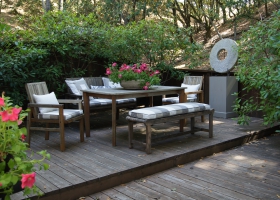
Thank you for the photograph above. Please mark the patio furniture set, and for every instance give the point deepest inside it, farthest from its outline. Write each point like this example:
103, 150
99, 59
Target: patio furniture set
90, 94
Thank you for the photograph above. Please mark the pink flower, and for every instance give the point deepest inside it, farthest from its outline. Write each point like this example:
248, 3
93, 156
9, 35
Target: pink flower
114, 64
157, 72
138, 71
19, 122
0, 184
23, 137
2, 102
124, 67
145, 87
28, 180
120, 75
147, 84
108, 71
11, 114
143, 66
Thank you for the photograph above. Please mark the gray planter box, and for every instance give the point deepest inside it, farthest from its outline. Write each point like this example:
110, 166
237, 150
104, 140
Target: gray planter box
221, 99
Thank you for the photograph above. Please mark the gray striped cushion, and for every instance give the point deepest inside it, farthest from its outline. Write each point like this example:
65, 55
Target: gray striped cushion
128, 100
68, 113
176, 100
167, 110
101, 102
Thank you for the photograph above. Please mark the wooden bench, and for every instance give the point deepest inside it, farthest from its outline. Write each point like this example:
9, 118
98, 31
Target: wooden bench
165, 113
100, 104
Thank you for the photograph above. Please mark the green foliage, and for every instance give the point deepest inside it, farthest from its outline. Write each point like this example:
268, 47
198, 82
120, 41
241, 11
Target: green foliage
137, 72
61, 45
14, 159
259, 68
159, 44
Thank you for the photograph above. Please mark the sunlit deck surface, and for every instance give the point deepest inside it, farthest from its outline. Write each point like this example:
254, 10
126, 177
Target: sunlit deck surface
94, 165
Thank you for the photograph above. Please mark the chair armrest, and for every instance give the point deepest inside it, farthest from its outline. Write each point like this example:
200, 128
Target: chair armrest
36, 105
195, 92
72, 96
78, 101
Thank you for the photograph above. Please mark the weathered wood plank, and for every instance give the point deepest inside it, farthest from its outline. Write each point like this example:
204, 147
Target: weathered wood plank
162, 189
240, 188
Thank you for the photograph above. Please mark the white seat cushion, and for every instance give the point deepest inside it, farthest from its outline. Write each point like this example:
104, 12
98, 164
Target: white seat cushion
176, 100
77, 85
46, 99
68, 114
108, 83
167, 110
128, 100
191, 88
102, 102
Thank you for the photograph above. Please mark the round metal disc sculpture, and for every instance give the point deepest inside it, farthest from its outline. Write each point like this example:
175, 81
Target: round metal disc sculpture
230, 47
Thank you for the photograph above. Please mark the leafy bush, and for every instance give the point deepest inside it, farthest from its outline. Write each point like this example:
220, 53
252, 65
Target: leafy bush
60, 45
258, 68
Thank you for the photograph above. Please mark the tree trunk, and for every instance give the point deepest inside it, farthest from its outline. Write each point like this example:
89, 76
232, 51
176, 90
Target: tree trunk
46, 5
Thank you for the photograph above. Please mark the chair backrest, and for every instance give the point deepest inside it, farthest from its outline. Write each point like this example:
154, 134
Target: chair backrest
38, 88
89, 80
194, 80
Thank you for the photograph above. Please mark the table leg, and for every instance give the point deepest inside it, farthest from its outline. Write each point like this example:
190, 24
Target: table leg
182, 99
86, 113
114, 123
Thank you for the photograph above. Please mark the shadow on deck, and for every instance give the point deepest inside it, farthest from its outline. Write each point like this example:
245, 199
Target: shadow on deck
94, 165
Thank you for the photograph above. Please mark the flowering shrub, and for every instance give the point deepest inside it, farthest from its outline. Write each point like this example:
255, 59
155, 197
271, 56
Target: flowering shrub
143, 73
16, 168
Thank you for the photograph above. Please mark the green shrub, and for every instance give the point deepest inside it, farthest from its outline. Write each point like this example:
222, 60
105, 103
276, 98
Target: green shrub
259, 68
60, 45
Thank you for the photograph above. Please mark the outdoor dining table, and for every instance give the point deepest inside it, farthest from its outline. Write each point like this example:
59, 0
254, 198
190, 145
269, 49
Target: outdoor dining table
120, 93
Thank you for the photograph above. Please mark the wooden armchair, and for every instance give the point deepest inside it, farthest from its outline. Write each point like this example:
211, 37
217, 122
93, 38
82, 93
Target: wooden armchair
194, 92
195, 80
46, 109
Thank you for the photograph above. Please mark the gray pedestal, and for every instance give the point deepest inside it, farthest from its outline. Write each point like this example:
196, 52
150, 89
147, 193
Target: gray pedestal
221, 99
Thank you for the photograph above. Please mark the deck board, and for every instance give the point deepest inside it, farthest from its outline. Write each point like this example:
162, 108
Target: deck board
95, 168
217, 177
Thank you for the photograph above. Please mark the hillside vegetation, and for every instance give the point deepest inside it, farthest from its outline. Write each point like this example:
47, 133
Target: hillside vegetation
51, 45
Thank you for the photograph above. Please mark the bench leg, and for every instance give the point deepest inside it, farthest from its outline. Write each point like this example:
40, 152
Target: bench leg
211, 124
148, 138
192, 125
202, 118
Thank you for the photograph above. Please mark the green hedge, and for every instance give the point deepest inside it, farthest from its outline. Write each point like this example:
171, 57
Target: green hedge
61, 44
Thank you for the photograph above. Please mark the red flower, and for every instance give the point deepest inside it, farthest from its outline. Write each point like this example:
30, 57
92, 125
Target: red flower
138, 71
11, 114
145, 87
23, 137
28, 180
0, 184
108, 71
157, 72
2, 102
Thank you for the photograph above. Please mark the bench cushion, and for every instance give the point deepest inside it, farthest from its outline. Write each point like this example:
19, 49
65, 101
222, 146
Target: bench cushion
176, 100
102, 102
168, 110
68, 114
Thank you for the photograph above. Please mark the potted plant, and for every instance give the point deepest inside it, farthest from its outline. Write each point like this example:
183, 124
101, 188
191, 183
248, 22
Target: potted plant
17, 168
135, 76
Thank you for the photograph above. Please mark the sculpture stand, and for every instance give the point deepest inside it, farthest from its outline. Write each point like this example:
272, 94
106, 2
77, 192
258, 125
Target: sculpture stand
221, 99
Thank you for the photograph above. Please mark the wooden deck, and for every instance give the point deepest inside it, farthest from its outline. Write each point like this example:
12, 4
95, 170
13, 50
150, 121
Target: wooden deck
246, 172
94, 165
